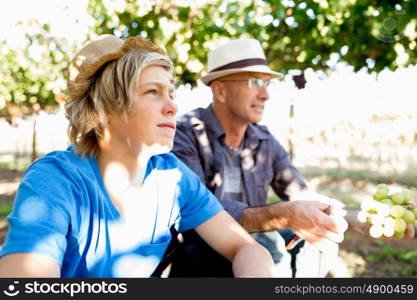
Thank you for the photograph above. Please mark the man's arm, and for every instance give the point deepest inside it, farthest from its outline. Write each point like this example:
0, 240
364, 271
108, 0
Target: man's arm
28, 265
307, 218
310, 220
228, 238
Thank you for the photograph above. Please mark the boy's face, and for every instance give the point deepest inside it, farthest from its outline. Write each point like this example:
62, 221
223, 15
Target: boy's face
151, 123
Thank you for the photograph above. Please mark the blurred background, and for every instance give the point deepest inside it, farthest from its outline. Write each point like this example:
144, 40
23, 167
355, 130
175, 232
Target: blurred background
346, 109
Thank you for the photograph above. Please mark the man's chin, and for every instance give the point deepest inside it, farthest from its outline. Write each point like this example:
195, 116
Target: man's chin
256, 120
256, 116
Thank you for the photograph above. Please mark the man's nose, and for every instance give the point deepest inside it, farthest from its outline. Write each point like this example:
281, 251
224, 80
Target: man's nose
263, 93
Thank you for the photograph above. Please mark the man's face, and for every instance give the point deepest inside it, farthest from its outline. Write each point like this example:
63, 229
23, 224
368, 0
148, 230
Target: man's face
244, 95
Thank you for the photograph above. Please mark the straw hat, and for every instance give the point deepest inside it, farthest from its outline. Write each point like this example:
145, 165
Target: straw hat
237, 56
97, 53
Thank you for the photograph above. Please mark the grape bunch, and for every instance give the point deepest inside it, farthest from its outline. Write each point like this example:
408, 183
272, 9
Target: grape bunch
388, 213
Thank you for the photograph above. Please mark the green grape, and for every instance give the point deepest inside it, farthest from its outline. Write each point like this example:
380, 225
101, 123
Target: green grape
362, 216
376, 219
369, 205
388, 225
399, 235
397, 198
409, 216
384, 209
388, 214
388, 231
397, 211
407, 194
400, 225
376, 231
387, 202
380, 194
382, 186
388, 221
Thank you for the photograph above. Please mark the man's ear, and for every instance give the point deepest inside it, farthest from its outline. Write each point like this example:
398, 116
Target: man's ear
218, 90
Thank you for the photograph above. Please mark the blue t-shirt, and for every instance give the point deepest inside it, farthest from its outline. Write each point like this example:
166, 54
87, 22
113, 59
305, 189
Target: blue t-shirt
62, 210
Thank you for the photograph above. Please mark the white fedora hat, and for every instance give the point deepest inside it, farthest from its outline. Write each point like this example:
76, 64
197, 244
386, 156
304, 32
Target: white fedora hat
237, 56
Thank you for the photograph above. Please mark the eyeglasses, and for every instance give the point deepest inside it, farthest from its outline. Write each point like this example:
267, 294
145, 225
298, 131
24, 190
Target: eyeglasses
252, 82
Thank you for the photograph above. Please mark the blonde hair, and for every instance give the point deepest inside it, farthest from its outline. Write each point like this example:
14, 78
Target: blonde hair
110, 91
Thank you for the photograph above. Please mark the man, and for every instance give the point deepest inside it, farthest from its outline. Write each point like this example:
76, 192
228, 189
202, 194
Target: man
238, 160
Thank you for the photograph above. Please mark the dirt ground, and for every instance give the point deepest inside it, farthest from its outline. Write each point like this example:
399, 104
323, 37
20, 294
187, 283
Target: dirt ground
9, 180
366, 257
359, 256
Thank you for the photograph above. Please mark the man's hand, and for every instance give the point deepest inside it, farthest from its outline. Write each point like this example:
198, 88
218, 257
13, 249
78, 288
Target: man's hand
316, 222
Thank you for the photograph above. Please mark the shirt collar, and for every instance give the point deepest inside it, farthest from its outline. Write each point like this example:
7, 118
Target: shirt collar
211, 122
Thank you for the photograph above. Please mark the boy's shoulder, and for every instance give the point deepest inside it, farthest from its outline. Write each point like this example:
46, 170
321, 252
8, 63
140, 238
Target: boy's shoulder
58, 161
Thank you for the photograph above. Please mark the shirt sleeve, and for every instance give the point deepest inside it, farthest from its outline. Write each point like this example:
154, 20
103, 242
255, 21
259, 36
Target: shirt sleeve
287, 178
197, 203
39, 220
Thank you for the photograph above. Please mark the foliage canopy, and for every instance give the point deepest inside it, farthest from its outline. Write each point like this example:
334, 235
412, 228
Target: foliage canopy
370, 34
296, 35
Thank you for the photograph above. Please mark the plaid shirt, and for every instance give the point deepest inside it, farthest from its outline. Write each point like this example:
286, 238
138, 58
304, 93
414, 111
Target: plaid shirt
199, 143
